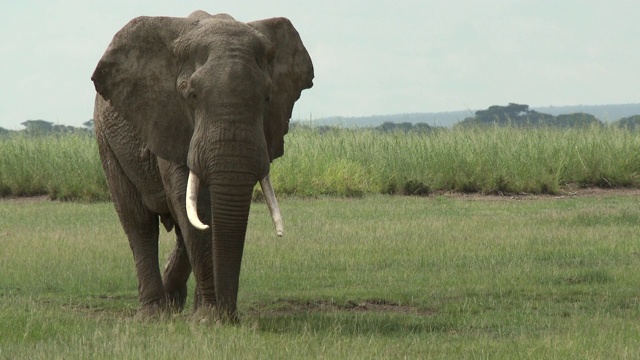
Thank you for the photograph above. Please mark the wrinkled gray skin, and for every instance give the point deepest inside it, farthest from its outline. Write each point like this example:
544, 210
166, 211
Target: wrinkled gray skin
207, 94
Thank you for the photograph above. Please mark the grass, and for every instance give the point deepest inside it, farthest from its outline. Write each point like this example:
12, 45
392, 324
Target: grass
488, 160
64, 167
354, 163
377, 277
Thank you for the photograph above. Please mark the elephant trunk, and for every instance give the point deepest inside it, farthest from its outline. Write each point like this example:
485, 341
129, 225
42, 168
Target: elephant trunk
230, 204
193, 185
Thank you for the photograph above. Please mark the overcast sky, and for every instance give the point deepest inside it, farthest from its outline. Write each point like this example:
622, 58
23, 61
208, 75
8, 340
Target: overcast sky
370, 56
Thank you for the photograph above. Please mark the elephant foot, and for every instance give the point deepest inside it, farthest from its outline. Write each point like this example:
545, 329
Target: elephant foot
147, 313
177, 298
231, 319
154, 311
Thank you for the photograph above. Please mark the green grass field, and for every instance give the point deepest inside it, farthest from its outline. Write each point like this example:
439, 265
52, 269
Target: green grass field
353, 163
377, 277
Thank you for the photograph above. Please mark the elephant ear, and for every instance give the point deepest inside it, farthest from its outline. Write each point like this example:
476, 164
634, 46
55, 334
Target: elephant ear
137, 75
291, 72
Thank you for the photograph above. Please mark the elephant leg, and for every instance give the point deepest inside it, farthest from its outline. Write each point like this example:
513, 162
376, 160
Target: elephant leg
142, 229
197, 243
141, 226
176, 273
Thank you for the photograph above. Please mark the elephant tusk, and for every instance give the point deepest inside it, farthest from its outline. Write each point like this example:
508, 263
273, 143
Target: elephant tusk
192, 202
272, 203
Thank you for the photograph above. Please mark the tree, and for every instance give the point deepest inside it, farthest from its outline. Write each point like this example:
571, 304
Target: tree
512, 114
89, 125
630, 123
41, 127
37, 127
575, 120
422, 127
521, 116
387, 126
404, 126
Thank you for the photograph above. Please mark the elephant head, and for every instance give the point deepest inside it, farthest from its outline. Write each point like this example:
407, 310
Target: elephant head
216, 95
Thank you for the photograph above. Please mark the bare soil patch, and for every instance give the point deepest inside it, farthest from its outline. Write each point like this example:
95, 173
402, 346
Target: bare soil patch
565, 194
25, 199
296, 307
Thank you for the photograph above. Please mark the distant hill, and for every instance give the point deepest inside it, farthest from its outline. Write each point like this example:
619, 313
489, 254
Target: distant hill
606, 113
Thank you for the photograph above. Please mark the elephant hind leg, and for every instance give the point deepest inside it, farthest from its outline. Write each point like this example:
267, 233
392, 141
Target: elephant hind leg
142, 229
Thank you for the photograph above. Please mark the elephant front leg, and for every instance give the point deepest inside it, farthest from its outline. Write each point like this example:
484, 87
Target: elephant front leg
150, 290
176, 274
196, 243
191, 252
141, 226
204, 305
142, 231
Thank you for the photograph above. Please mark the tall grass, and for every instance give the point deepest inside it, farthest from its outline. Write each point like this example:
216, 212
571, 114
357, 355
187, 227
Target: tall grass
489, 160
64, 167
357, 162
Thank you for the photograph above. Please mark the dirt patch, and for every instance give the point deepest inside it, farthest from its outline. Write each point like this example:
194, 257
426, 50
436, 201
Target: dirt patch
296, 307
95, 311
599, 192
25, 199
565, 194
278, 308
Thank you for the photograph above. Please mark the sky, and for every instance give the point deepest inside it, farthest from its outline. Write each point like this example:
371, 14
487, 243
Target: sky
371, 57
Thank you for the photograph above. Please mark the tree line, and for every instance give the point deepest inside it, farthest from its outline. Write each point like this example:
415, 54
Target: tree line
518, 115
515, 115
42, 127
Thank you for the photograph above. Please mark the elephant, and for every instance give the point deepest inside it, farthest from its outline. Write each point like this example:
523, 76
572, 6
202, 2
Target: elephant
182, 102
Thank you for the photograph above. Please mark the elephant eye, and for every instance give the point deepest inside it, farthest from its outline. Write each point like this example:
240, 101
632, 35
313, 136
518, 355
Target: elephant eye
267, 99
193, 96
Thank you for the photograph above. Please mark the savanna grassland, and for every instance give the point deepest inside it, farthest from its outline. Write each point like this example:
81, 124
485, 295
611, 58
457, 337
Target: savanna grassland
377, 277
359, 273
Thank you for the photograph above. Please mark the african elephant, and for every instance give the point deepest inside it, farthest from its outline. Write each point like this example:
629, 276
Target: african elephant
187, 101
